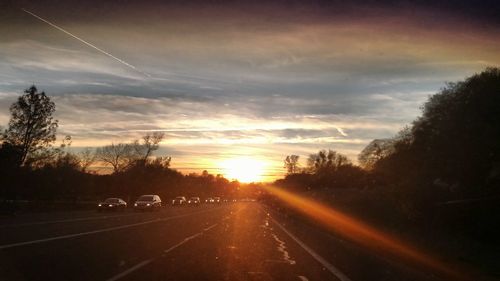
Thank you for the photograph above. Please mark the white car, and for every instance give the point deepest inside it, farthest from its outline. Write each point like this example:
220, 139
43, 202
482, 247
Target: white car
179, 200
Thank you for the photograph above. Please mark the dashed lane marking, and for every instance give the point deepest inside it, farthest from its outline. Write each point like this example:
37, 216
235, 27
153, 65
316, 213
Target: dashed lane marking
146, 262
100, 230
130, 270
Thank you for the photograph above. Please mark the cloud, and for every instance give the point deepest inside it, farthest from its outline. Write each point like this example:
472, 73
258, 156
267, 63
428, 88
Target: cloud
228, 81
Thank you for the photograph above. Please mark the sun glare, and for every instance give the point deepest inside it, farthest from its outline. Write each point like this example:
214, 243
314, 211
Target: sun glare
243, 169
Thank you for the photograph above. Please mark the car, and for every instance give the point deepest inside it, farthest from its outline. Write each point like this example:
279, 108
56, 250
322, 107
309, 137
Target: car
209, 200
147, 202
217, 200
194, 201
112, 204
179, 200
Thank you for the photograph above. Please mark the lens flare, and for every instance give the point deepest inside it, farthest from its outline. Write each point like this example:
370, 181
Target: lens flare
362, 233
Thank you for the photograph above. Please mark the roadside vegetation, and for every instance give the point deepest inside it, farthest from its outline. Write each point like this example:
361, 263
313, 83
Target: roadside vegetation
35, 168
437, 181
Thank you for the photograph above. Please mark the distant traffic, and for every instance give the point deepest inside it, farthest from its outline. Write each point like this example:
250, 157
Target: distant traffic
152, 202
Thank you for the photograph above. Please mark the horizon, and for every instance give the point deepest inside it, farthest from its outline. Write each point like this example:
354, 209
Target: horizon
236, 81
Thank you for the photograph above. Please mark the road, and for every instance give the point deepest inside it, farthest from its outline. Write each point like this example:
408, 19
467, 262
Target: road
237, 241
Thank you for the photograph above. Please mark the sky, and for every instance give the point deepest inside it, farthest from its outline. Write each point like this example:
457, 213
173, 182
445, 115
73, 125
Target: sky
241, 79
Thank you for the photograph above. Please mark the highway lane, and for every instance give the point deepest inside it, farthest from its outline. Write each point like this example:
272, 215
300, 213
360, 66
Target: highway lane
241, 241
244, 246
52, 217
50, 228
95, 256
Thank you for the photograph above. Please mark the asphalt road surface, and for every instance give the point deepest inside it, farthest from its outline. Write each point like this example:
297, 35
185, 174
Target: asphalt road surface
237, 241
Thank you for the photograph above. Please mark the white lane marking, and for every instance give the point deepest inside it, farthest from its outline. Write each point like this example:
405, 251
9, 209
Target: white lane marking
133, 268
210, 227
302, 278
183, 242
335, 271
146, 262
66, 220
99, 230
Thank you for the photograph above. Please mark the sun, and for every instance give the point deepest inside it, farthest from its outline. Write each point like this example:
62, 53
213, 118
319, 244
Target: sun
243, 169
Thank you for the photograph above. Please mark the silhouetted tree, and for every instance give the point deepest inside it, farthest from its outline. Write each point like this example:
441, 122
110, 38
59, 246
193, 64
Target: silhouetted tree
163, 162
119, 156
9, 154
326, 161
454, 145
374, 151
31, 126
86, 157
150, 143
291, 164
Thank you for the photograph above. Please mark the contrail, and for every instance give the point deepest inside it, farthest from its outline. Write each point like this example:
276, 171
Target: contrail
89, 44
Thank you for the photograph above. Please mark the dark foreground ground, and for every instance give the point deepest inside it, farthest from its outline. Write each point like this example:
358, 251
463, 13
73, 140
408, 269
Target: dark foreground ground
239, 241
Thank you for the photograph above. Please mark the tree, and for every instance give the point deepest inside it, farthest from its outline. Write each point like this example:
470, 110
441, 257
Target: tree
291, 164
151, 143
31, 126
459, 130
160, 162
119, 156
86, 157
9, 154
53, 156
374, 151
326, 161
452, 150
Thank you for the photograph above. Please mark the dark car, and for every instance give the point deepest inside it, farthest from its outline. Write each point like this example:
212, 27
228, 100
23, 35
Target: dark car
209, 200
194, 201
217, 200
179, 200
112, 204
148, 202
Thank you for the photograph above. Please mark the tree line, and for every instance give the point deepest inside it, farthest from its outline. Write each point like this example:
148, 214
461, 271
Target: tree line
442, 169
34, 167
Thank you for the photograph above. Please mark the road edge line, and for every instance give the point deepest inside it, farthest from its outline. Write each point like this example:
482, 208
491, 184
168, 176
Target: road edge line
335, 271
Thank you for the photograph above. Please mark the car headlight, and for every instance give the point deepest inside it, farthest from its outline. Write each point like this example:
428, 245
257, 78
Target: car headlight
135, 204
110, 205
148, 204
99, 205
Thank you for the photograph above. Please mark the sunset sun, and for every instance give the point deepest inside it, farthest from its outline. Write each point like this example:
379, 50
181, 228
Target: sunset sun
243, 169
